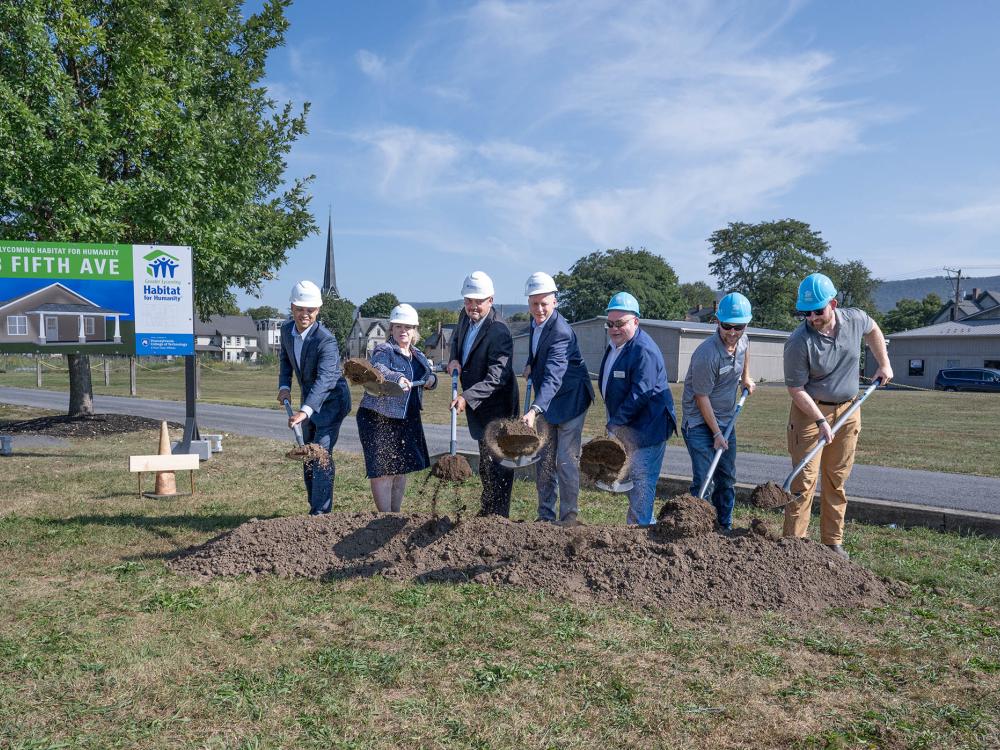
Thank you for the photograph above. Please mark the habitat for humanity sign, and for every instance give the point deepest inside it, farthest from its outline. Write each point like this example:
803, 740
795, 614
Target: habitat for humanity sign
96, 298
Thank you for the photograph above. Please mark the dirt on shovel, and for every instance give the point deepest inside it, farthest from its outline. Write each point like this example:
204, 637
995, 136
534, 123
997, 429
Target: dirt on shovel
514, 438
311, 454
359, 371
769, 495
451, 469
603, 460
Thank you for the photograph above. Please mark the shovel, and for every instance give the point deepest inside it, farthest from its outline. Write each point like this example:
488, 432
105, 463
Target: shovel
786, 487
388, 388
297, 429
616, 487
718, 451
514, 463
453, 468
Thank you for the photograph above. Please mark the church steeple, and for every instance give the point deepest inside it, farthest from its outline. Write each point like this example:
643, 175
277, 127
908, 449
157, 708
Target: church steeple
330, 272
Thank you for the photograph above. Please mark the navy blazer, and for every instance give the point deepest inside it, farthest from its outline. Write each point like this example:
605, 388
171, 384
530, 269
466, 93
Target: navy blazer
324, 388
558, 373
488, 383
637, 396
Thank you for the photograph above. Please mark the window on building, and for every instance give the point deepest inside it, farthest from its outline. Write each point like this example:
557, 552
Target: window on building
17, 325
88, 326
916, 367
993, 364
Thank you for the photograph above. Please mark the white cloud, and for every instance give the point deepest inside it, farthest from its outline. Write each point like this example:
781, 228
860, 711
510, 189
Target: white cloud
371, 65
981, 216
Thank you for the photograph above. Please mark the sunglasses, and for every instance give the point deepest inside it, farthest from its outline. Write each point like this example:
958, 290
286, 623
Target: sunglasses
618, 323
810, 313
732, 326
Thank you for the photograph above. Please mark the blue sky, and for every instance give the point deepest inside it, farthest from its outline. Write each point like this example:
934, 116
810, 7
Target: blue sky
513, 137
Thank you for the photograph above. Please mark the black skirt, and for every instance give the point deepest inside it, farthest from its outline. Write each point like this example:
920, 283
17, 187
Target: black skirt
393, 446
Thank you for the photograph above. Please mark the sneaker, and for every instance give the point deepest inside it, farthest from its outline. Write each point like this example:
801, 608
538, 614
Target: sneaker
839, 550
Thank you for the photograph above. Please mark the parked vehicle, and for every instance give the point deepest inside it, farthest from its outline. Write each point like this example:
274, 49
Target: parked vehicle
981, 379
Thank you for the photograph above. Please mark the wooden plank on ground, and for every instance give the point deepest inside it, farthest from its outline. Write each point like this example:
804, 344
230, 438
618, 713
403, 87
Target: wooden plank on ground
170, 462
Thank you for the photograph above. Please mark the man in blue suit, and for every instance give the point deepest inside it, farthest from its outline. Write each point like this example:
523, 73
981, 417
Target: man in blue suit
563, 393
310, 351
633, 381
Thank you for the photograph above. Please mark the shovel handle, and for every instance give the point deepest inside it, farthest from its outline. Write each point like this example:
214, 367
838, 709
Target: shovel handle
297, 429
725, 436
453, 448
527, 394
836, 426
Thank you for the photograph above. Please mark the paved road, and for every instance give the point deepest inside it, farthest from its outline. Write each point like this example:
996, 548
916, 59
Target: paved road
956, 491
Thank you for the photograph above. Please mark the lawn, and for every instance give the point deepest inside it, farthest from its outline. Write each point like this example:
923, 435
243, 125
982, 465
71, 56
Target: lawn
102, 647
901, 428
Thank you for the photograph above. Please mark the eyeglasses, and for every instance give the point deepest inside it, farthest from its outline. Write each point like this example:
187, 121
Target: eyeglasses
732, 327
810, 313
618, 323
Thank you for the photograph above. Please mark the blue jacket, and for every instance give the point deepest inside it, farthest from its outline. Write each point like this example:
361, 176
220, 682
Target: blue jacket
559, 375
638, 397
389, 360
324, 389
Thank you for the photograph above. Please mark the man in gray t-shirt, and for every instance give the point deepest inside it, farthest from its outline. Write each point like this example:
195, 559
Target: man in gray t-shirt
822, 365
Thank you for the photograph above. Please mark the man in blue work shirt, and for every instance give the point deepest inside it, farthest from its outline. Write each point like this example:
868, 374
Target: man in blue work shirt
640, 407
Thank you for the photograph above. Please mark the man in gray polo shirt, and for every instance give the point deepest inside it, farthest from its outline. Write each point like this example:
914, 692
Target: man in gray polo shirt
822, 366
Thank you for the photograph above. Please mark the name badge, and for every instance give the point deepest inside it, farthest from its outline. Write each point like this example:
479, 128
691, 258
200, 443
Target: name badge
724, 370
618, 373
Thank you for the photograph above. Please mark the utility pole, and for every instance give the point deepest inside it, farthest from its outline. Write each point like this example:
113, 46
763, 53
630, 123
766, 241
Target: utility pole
958, 289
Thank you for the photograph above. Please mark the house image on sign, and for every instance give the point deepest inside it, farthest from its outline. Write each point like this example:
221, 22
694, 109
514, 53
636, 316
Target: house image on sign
55, 314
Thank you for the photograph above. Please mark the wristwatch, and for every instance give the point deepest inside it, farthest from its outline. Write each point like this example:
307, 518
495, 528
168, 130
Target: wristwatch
820, 422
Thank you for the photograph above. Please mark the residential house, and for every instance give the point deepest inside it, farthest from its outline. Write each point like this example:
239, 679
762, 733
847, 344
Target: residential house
55, 314
269, 334
230, 338
365, 335
973, 303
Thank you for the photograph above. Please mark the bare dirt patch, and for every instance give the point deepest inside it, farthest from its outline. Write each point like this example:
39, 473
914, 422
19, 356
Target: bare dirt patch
685, 516
769, 495
96, 425
603, 460
742, 573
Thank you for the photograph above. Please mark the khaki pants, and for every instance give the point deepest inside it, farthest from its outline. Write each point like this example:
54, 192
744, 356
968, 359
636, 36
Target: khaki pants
836, 459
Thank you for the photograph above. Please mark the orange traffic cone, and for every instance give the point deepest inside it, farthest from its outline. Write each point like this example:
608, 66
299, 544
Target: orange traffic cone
166, 482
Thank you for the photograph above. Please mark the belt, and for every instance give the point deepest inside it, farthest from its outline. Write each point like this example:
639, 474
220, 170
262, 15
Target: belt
834, 403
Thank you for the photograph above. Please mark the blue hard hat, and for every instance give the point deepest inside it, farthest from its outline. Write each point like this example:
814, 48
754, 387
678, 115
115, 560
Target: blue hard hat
734, 308
815, 292
625, 302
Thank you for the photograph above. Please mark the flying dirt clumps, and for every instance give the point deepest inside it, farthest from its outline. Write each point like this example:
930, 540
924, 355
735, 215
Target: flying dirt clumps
359, 372
310, 454
685, 515
768, 495
742, 573
603, 460
514, 438
452, 469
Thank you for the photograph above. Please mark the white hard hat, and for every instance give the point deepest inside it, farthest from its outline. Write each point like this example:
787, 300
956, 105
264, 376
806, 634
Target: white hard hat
404, 314
306, 294
477, 285
539, 283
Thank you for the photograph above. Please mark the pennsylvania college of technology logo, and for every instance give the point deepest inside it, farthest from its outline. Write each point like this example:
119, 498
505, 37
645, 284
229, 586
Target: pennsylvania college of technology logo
161, 265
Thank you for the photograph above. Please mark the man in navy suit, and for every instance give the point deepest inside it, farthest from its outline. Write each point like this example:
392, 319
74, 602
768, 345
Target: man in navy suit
310, 351
563, 393
633, 381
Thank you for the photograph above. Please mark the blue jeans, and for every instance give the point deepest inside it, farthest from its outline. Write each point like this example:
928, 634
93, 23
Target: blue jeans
319, 481
721, 492
644, 472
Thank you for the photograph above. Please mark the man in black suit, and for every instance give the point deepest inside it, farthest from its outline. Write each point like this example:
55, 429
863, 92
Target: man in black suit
481, 352
309, 352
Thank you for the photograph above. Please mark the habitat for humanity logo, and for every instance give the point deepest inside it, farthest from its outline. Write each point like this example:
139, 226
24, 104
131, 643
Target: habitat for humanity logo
161, 265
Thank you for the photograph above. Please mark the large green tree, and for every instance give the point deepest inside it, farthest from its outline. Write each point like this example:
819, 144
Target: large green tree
766, 262
337, 314
854, 282
584, 291
432, 317
697, 293
378, 305
263, 311
909, 314
147, 121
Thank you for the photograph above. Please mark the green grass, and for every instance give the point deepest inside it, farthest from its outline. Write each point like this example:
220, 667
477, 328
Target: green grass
900, 428
102, 647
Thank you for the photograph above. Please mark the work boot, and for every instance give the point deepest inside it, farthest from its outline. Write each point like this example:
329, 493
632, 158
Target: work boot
569, 521
839, 550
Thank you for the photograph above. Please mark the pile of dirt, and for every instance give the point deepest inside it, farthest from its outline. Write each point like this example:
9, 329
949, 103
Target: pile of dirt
311, 454
452, 469
685, 516
768, 495
96, 425
745, 572
514, 438
603, 459
360, 371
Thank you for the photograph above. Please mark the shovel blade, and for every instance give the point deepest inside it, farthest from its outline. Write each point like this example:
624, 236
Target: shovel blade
616, 487
516, 463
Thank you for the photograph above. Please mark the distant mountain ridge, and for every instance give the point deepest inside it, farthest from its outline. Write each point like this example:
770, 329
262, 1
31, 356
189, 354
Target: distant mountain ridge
888, 293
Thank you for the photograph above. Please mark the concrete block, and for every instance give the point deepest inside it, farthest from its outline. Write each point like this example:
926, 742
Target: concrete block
215, 441
201, 448
6, 445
